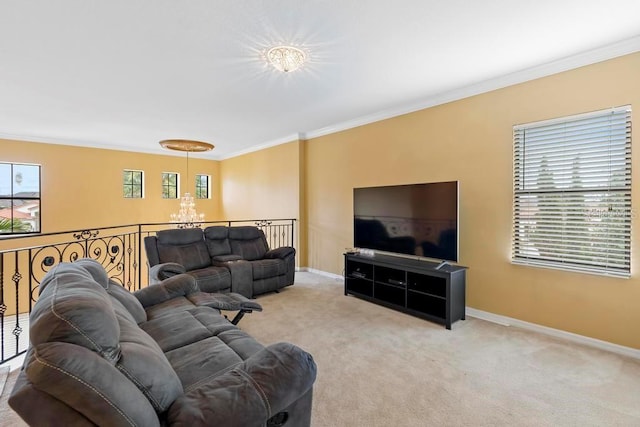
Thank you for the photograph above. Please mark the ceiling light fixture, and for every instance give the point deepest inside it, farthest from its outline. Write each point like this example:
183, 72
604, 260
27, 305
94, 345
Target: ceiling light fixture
187, 216
286, 58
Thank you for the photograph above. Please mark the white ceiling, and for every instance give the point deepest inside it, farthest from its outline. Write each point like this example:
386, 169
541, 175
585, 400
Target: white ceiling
125, 74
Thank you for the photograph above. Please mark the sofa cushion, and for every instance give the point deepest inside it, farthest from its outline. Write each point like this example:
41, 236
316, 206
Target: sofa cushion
176, 329
191, 256
115, 290
183, 246
212, 279
217, 240
179, 236
248, 242
89, 384
172, 306
258, 388
73, 308
265, 268
243, 344
145, 365
128, 301
202, 360
95, 269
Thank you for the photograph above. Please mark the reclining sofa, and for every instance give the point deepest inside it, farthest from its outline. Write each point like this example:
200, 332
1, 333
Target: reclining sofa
100, 355
221, 259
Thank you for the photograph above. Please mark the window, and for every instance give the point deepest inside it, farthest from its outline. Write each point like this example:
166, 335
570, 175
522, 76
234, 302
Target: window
169, 185
572, 193
202, 186
19, 198
132, 184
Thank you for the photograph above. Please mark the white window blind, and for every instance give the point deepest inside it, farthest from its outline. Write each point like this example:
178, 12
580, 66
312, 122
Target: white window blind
572, 193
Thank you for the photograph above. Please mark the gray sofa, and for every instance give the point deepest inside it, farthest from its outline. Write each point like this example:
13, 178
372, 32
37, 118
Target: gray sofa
221, 259
100, 355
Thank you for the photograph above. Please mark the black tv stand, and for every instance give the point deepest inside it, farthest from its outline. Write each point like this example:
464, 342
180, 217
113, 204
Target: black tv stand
430, 290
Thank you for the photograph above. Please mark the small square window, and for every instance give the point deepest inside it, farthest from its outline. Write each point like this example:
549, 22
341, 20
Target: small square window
132, 184
203, 188
169, 185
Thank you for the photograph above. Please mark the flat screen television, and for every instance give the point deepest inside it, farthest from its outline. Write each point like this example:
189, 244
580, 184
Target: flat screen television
413, 219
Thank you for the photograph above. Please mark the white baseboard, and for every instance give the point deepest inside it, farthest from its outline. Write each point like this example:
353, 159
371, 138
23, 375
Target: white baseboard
321, 273
569, 336
509, 321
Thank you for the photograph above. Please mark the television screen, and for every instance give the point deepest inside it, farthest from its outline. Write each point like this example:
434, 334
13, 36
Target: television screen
414, 219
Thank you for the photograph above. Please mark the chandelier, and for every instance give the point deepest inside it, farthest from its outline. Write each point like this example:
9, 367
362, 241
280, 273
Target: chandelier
187, 216
286, 58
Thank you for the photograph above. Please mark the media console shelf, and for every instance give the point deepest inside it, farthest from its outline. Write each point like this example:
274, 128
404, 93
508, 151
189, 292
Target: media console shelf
409, 285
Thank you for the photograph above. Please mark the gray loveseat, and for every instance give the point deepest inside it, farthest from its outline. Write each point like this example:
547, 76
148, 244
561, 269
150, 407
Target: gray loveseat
100, 355
221, 259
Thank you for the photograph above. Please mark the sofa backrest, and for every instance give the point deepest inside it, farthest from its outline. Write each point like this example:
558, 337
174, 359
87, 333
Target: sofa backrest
217, 240
248, 242
185, 246
124, 302
88, 352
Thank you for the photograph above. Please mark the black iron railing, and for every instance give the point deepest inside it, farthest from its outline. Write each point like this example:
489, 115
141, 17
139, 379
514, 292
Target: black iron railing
119, 249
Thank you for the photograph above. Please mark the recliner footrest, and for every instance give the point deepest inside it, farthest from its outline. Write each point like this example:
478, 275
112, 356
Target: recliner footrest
229, 302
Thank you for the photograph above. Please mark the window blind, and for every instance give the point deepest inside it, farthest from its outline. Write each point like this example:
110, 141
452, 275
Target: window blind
572, 193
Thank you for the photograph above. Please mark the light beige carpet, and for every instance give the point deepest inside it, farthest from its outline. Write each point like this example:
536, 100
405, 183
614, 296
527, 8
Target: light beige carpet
7, 416
378, 367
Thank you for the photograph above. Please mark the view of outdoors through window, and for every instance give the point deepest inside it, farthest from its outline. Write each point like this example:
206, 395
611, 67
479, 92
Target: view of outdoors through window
19, 198
169, 185
572, 199
132, 184
202, 186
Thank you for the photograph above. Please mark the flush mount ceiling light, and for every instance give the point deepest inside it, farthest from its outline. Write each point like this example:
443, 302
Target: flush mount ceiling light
286, 58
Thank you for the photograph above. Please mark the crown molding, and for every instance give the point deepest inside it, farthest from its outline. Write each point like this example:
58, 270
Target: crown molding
582, 59
268, 144
103, 146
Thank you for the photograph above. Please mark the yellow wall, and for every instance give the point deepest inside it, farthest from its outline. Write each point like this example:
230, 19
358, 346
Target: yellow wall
471, 141
265, 184
82, 187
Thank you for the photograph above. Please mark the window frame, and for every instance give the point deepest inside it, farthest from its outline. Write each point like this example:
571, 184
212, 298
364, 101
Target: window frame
133, 185
12, 198
572, 192
200, 187
167, 187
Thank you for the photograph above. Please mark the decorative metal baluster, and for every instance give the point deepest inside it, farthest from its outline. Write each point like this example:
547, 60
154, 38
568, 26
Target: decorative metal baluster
17, 330
130, 253
136, 265
3, 306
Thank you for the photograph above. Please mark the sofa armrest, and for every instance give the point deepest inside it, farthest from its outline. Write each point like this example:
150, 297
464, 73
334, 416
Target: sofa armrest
173, 287
160, 272
249, 394
281, 252
229, 302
